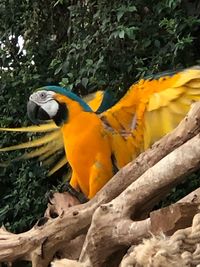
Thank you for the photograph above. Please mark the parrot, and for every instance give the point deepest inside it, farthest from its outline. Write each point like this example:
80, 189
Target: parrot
49, 148
99, 142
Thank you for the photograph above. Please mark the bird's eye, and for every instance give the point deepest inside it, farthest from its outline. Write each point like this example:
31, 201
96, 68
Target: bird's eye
43, 95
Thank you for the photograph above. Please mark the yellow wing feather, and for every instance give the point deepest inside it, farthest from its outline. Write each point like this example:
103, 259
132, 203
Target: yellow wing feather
183, 93
94, 100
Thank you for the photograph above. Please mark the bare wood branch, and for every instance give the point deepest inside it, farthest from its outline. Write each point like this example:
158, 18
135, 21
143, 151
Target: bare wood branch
112, 222
174, 217
68, 263
169, 219
59, 203
44, 240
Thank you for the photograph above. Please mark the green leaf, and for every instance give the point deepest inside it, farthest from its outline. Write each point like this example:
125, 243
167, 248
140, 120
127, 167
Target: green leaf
57, 70
132, 8
157, 43
84, 81
119, 15
65, 81
121, 34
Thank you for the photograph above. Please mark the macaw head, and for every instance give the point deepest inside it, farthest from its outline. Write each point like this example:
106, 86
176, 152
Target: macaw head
51, 102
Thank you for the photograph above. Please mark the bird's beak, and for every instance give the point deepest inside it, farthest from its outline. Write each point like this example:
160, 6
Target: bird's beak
35, 113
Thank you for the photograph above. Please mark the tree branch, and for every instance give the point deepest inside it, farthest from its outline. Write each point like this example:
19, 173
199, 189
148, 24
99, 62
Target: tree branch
112, 224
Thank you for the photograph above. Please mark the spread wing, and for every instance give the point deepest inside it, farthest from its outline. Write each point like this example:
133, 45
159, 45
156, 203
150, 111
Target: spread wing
150, 109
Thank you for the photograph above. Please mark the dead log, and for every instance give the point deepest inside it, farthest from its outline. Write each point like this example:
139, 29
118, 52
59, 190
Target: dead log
41, 243
170, 219
180, 216
59, 203
112, 223
163, 223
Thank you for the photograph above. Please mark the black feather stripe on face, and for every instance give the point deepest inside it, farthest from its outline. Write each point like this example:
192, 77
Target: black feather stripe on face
42, 114
62, 114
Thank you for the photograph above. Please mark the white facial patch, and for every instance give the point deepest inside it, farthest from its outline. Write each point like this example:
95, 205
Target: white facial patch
45, 100
51, 107
41, 97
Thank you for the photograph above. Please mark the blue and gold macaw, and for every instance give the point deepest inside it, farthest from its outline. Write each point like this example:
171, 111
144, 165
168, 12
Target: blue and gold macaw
49, 148
98, 143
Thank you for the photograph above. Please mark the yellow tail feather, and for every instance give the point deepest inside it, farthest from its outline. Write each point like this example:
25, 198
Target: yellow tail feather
37, 129
33, 143
58, 166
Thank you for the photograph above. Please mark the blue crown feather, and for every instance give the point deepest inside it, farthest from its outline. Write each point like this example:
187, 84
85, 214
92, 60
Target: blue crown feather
67, 93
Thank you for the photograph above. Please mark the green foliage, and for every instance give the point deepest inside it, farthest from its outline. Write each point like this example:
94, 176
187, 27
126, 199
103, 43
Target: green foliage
190, 184
112, 44
23, 197
95, 44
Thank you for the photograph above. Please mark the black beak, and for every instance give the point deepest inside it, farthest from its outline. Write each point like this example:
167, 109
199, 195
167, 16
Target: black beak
36, 114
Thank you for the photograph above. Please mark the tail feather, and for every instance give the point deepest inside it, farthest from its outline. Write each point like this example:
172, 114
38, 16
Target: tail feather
33, 143
52, 151
33, 129
58, 166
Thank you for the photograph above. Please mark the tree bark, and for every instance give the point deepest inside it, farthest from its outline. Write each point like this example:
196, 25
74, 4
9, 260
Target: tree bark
115, 218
